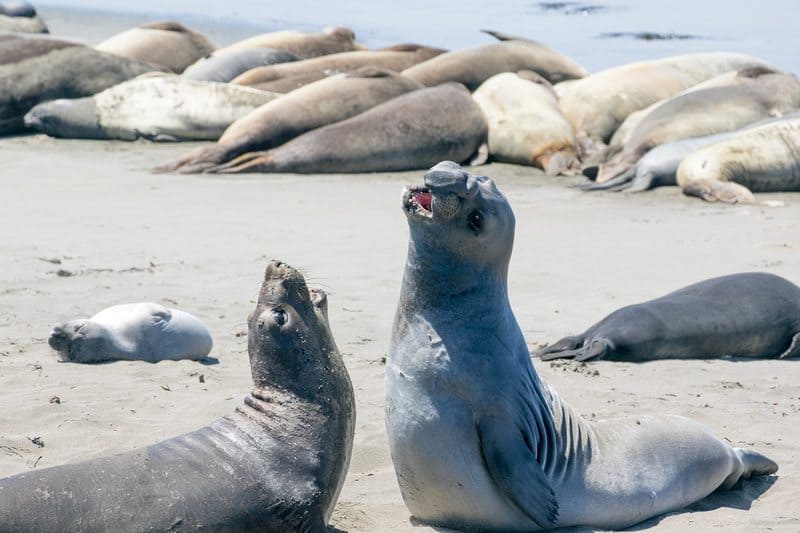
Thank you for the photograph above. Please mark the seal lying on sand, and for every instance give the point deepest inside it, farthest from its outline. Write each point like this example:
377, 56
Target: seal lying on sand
525, 124
14, 49
20, 17
473, 66
134, 332
706, 112
169, 44
225, 67
751, 315
407, 132
290, 76
595, 109
276, 463
69, 72
156, 107
762, 159
300, 43
318, 104
477, 440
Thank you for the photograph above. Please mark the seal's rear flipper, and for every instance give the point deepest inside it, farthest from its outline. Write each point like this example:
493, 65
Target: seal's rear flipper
556, 350
614, 184
753, 464
576, 348
793, 350
249, 162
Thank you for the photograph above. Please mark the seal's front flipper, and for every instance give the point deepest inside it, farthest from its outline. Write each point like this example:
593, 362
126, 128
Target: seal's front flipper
509, 458
249, 162
793, 350
719, 191
560, 349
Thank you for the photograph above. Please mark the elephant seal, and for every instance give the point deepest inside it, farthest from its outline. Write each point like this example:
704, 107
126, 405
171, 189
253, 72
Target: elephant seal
169, 44
705, 112
17, 9
225, 67
20, 17
14, 49
478, 441
597, 104
276, 463
407, 132
754, 314
69, 72
525, 124
762, 159
133, 332
318, 104
161, 108
473, 66
300, 43
290, 76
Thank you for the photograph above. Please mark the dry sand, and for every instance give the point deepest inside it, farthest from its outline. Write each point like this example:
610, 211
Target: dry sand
93, 211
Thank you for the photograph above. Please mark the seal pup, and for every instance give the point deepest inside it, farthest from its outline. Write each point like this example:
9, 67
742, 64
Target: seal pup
68, 72
276, 463
407, 132
224, 67
595, 109
478, 441
163, 107
169, 44
318, 104
754, 314
290, 76
526, 125
20, 17
762, 159
705, 112
133, 332
301, 43
473, 66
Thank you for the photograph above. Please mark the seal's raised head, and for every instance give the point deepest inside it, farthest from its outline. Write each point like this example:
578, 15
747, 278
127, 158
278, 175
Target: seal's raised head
290, 340
461, 215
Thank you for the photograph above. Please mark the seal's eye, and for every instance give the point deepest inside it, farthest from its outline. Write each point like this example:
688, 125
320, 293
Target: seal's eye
279, 315
475, 221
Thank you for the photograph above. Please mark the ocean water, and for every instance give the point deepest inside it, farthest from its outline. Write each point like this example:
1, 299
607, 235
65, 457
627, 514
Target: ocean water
597, 34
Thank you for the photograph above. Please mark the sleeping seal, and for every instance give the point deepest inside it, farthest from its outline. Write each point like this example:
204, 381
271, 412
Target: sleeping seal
156, 107
315, 105
751, 315
134, 332
407, 132
762, 159
168, 44
478, 441
276, 463
300, 43
225, 67
20, 17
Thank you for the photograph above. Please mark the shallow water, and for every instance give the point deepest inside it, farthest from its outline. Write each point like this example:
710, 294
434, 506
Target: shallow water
578, 29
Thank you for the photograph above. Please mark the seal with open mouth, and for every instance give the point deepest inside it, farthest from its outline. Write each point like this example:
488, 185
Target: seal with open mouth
276, 463
478, 441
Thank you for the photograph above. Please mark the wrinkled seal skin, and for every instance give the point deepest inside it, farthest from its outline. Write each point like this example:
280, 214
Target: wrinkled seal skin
473, 66
302, 44
134, 332
320, 103
168, 44
410, 131
276, 463
224, 67
751, 315
478, 441
291, 76
762, 159
69, 72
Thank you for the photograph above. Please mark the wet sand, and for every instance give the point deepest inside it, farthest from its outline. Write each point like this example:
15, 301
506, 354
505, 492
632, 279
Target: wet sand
87, 226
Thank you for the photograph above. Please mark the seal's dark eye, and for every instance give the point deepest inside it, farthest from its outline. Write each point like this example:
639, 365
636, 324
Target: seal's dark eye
280, 316
475, 221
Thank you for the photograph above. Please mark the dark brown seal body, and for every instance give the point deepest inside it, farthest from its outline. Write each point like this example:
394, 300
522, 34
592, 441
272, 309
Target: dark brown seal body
408, 132
277, 463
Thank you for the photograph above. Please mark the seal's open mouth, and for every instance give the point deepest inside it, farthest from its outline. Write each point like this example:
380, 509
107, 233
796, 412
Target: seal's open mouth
418, 200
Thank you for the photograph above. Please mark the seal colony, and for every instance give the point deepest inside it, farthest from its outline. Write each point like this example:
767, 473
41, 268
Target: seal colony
276, 463
459, 380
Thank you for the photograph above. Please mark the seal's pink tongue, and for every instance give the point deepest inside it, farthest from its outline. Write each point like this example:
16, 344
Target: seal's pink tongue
423, 199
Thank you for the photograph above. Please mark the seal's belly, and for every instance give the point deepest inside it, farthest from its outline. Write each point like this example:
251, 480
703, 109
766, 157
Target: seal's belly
436, 453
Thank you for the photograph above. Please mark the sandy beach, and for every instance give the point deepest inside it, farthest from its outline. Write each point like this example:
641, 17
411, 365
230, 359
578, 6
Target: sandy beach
86, 225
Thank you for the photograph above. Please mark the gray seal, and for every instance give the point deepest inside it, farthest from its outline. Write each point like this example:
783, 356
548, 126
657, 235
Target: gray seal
753, 314
226, 66
135, 332
478, 441
276, 463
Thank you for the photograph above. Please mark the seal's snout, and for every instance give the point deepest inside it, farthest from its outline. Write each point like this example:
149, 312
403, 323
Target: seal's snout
59, 339
33, 120
447, 176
